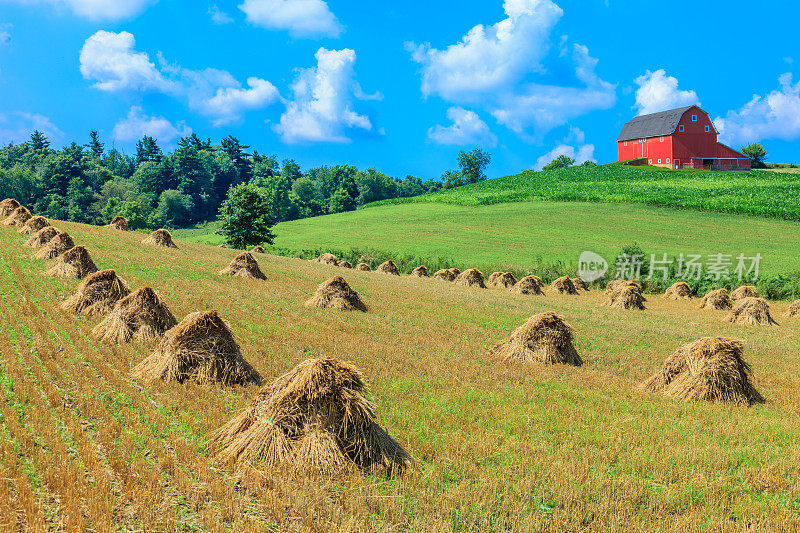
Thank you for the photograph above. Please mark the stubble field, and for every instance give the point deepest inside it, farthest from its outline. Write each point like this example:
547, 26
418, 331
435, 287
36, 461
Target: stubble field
497, 447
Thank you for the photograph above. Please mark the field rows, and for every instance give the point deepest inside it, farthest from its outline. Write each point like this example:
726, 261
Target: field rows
82, 446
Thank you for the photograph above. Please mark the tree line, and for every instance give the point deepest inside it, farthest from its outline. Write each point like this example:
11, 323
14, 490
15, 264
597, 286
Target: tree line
91, 184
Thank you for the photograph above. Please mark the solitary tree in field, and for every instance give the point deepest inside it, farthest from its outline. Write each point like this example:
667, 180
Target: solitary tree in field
562, 161
757, 153
473, 165
245, 217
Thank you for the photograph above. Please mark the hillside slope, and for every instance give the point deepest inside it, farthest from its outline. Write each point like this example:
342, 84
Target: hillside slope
759, 192
497, 447
522, 235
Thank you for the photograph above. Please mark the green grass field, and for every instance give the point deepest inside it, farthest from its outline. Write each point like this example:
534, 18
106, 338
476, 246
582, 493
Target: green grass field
523, 234
497, 447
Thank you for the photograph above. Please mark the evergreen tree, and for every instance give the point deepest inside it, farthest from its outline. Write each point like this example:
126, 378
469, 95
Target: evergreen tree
38, 142
95, 146
236, 151
147, 150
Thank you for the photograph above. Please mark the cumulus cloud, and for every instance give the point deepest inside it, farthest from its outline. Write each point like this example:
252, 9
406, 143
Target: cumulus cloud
111, 59
17, 126
113, 63
501, 68
219, 17
137, 124
580, 155
229, 103
302, 18
97, 9
321, 109
467, 129
774, 116
659, 92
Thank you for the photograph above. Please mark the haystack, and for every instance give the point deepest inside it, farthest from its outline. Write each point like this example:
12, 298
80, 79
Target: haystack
202, 349
580, 285
74, 263
471, 277
717, 299
97, 294
326, 259
388, 267
564, 285
160, 237
493, 276
345, 264
336, 294
745, 291
243, 265
18, 217
363, 267
420, 272
42, 237
33, 225
751, 312
710, 369
626, 296
529, 285
794, 310
119, 223
56, 246
8, 206
679, 291
315, 418
447, 274
616, 283
504, 280
544, 338
142, 316
257, 250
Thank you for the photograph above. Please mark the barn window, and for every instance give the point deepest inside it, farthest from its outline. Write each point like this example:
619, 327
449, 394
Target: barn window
659, 161
650, 161
668, 160
708, 129
681, 128
626, 143
661, 139
694, 118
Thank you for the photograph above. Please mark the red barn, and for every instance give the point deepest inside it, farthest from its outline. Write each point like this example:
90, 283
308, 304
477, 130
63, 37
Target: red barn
679, 138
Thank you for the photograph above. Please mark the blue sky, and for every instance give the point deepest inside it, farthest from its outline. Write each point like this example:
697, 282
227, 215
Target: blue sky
399, 86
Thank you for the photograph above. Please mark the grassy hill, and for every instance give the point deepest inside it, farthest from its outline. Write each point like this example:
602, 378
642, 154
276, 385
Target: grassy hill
759, 192
497, 447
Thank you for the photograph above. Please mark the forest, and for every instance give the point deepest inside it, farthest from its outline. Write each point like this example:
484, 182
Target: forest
152, 189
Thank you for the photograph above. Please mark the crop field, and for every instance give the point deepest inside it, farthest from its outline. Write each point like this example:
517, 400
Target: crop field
522, 235
496, 447
759, 192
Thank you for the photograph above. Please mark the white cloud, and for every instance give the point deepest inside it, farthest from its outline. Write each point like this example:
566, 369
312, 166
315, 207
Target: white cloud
501, 69
229, 103
17, 127
467, 129
302, 18
111, 60
489, 58
322, 105
137, 124
659, 92
5, 33
581, 155
774, 116
113, 63
97, 9
219, 17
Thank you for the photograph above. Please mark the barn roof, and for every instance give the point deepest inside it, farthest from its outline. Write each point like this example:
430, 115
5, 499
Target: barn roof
654, 125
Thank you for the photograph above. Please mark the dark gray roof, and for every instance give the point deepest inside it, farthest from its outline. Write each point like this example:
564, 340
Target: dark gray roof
655, 125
